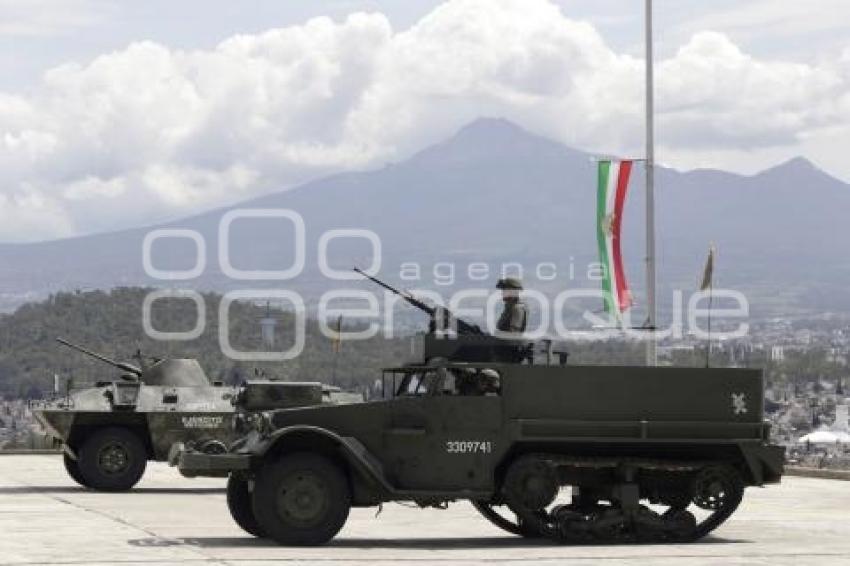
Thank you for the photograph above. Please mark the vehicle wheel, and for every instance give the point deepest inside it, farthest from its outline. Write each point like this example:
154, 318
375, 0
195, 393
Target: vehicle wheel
73, 469
302, 499
112, 459
515, 527
239, 504
718, 489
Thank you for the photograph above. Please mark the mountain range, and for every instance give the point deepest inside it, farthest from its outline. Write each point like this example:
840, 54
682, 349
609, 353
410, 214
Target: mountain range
495, 194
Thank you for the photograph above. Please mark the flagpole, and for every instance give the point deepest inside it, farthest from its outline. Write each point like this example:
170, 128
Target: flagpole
708, 349
708, 283
651, 351
336, 346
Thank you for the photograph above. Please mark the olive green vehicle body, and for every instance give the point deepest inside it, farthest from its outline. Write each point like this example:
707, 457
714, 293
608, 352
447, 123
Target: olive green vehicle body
183, 407
170, 401
177, 409
504, 422
438, 445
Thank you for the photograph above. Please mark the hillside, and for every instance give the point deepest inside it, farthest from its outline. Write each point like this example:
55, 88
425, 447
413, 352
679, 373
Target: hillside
110, 323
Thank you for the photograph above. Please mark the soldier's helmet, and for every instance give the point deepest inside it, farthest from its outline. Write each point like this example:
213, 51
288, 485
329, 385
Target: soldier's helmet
509, 283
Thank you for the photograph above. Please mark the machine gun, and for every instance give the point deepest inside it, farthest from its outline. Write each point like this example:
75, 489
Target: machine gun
463, 327
120, 365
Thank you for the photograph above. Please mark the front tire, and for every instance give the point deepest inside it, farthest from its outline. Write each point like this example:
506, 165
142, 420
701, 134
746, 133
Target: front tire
240, 507
302, 499
112, 459
73, 469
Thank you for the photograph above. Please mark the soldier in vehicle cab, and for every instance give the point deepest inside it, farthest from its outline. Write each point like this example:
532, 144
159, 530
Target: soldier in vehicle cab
514, 314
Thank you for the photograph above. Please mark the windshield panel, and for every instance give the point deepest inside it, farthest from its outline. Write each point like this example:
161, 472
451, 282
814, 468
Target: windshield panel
418, 383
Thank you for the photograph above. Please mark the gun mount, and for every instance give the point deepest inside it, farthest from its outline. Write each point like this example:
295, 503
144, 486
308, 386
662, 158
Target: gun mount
168, 372
486, 348
456, 340
133, 370
442, 318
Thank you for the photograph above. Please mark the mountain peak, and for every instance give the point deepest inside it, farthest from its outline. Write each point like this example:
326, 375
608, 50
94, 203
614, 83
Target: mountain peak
798, 163
492, 126
489, 138
799, 168
498, 133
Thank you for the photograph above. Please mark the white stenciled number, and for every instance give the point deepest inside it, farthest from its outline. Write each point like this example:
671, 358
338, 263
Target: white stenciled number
469, 446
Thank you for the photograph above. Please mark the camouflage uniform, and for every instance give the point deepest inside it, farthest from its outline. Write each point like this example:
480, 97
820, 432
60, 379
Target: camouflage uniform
515, 314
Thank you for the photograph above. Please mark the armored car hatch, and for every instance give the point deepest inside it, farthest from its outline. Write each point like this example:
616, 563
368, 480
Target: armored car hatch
175, 373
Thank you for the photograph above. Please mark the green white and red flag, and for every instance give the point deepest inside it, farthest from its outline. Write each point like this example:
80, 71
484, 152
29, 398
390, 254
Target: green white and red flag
613, 183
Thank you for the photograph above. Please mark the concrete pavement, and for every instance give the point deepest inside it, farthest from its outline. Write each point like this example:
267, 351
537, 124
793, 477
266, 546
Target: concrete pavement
47, 519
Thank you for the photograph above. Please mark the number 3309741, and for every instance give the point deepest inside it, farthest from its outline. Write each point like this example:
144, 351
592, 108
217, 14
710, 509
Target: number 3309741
469, 447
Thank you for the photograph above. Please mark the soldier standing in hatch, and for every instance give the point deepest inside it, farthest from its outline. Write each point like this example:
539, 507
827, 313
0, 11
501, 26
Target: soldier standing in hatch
515, 314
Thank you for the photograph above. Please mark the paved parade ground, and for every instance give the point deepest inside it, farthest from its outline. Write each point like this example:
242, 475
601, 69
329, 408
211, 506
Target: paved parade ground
167, 519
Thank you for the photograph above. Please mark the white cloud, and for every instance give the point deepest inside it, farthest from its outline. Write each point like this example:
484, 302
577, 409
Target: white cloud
94, 187
181, 187
775, 18
38, 18
149, 131
712, 94
29, 211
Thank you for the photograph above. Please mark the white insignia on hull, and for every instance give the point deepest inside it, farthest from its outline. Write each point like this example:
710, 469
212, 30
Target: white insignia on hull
739, 403
202, 422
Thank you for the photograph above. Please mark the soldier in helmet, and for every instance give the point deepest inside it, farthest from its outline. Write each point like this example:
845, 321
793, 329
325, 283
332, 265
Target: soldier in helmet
515, 314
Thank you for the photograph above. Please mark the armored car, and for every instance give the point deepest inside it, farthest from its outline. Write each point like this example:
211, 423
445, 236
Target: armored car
109, 431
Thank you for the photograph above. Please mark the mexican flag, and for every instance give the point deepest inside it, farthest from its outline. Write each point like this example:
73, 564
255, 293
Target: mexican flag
610, 197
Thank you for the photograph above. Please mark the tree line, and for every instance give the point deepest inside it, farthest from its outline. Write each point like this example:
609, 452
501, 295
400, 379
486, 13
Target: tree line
110, 322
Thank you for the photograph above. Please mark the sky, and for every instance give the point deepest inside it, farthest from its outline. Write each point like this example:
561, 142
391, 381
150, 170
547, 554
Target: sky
120, 114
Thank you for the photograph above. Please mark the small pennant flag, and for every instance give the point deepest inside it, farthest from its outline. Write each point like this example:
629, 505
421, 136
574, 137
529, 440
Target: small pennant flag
613, 182
337, 339
708, 272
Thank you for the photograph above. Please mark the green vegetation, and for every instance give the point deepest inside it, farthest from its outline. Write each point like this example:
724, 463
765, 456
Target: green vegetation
110, 322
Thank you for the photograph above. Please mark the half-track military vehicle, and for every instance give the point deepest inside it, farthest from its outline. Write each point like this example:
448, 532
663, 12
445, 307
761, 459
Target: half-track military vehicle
582, 454
110, 430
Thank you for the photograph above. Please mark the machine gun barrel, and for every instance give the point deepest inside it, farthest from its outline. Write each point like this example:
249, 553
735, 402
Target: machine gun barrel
120, 365
463, 327
403, 294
